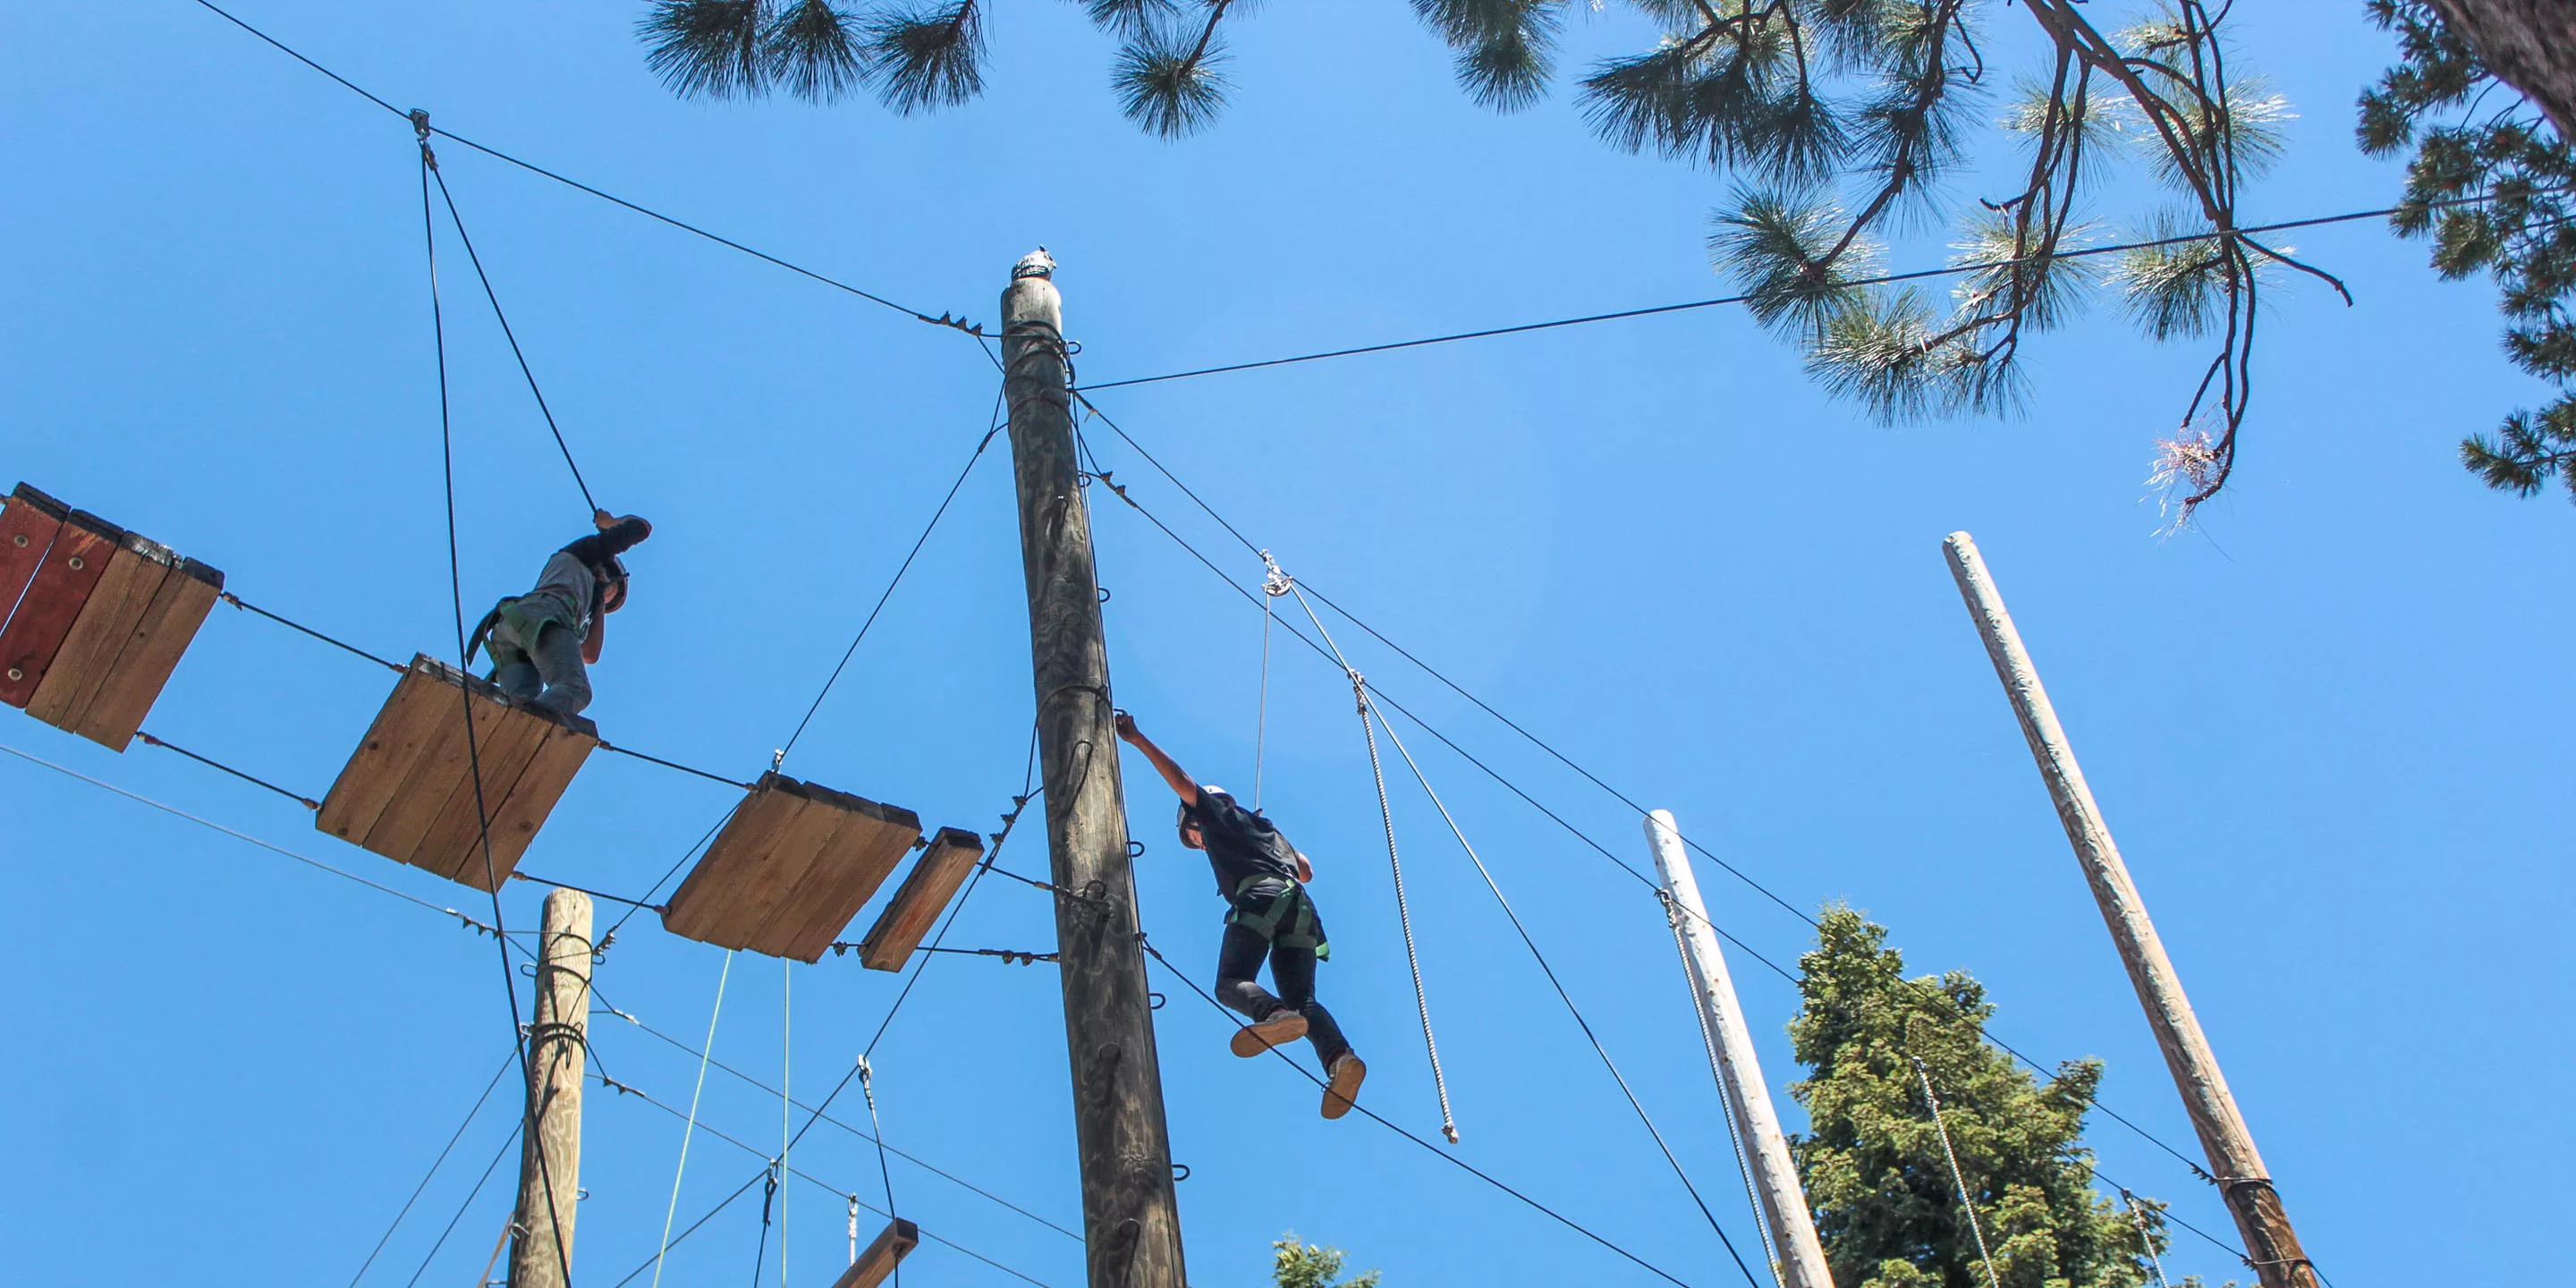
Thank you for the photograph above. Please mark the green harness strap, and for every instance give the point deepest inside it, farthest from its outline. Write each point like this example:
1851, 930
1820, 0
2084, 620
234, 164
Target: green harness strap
1297, 933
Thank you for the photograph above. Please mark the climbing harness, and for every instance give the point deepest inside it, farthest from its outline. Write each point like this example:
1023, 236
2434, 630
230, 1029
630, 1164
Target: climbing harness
1394, 861
1957, 1177
1288, 920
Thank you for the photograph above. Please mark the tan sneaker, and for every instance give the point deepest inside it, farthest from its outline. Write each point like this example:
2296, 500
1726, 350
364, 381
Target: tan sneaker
1342, 1089
1284, 1025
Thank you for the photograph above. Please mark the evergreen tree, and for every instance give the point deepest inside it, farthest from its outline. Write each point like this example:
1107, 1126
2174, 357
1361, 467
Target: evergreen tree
2470, 142
1304, 1265
1887, 1206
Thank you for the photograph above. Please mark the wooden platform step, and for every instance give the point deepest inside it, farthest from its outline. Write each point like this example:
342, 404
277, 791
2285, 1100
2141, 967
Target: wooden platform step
791, 868
895, 1243
98, 617
408, 793
919, 900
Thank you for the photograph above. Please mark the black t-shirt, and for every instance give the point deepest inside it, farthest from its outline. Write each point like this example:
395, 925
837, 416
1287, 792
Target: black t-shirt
1241, 844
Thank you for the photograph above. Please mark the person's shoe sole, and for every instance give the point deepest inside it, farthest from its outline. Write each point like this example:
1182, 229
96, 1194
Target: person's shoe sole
1344, 1090
1253, 1039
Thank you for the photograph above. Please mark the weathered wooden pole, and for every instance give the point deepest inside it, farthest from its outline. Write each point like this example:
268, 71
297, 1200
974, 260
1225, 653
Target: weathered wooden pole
2274, 1247
1131, 1221
1775, 1177
550, 1145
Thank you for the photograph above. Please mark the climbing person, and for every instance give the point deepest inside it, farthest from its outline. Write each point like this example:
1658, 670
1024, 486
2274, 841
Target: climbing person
1263, 879
541, 640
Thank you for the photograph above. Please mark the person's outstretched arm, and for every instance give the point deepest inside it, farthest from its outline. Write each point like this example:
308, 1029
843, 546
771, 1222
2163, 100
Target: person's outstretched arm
615, 537
1181, 782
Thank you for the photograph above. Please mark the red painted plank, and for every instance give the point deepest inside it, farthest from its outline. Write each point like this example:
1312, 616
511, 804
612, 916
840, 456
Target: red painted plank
27, 527
53, 602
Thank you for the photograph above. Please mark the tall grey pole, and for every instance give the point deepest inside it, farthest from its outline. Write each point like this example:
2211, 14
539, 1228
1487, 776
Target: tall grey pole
550, 1147
1131, 1220
1775, 1177
2276, 1256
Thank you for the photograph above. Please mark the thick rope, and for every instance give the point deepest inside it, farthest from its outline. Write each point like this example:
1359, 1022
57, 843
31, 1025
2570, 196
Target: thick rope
2145, 1240
1956, 1176
786, 1105
705, 1053
1394, 863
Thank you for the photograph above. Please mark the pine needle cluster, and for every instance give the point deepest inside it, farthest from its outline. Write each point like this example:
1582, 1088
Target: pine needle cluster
2470, 142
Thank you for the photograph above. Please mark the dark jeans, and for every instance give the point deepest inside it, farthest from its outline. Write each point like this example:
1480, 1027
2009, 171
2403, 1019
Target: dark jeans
552, 677
1238, 960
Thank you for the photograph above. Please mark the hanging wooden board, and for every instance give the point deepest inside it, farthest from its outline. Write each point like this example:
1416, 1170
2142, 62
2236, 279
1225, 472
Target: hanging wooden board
793, 865
919, 900
28, 523
895, 1243
71, 568
410, 794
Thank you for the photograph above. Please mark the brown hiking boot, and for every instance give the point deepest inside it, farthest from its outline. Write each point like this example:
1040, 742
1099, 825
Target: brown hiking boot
1342, 1088
1284, 1025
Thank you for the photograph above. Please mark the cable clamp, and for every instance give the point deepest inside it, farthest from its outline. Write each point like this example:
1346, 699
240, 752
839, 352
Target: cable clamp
420, 131
1274, 582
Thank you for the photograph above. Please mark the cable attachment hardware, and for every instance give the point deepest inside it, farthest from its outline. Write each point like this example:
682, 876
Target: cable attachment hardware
1274, 582
420, 131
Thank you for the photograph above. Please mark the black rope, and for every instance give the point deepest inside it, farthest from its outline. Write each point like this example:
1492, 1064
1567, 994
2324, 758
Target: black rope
710, 776
764, 1087
150, 741
458, 219
464, 695
237, 602
897, 579
685, 856
461, 1208
1434, 1150
432, 1174
1884, 279
595, 894
720, 1206
1390, 703
943, 320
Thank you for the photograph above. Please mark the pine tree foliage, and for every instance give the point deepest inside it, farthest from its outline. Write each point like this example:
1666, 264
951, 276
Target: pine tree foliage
1886, 1205
1302, 1265
1840, 123
2473, 137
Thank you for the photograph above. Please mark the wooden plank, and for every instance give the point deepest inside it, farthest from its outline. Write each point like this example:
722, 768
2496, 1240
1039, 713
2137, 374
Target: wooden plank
135, 571
423, 793
786, 858
53, 601
384, 760
28, 524
160, 639
871, 840
891, 1246
533, 798
704, 896
918, 901
505, 741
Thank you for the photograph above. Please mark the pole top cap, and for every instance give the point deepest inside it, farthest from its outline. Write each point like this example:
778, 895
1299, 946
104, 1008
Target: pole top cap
1037, 263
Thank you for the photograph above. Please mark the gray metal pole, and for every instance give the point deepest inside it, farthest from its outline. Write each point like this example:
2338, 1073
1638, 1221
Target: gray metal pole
2276, 1256
1775, 1177
550, 1149
1131, 1220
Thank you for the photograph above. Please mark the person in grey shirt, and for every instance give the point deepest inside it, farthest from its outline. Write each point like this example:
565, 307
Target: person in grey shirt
541, 641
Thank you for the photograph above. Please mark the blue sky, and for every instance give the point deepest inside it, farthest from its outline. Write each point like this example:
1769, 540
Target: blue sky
2327, 728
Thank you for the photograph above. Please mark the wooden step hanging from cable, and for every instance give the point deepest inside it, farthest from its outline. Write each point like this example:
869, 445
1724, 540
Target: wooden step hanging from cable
98, 617
408, 793
793, 865
897, 1241
920, 899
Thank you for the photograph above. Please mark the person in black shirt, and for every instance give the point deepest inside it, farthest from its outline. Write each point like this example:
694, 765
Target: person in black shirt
541, 641
1263, 879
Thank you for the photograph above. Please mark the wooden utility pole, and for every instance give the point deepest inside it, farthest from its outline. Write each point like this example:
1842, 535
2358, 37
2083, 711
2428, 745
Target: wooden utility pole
1131, 1221
550, 1142
1775, 1177
2273, 1247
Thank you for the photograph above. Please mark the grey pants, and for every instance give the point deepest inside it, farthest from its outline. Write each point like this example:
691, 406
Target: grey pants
552, 677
